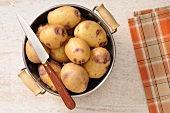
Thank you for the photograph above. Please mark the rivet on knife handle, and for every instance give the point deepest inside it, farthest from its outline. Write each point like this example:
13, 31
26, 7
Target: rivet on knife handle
69, 102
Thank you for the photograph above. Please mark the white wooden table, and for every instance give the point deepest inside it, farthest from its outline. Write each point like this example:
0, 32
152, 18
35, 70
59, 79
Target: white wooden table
121, 93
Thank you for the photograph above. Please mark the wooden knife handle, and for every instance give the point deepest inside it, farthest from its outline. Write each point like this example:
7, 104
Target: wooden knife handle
107, 17
68, 100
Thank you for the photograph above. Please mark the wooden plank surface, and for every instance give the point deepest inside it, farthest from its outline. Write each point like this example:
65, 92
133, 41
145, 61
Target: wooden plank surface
122, 91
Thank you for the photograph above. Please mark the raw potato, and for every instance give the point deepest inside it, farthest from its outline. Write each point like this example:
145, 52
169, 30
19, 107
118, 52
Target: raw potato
67, 16
92, 33
44, 76
53, 36
40, 28
98, 63
77, 50
59, 54
74, 77
31, 54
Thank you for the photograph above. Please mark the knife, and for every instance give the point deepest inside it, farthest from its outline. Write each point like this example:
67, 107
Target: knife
43, 56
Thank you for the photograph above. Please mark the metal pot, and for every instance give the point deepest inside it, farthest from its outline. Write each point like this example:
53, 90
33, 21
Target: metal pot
32, 69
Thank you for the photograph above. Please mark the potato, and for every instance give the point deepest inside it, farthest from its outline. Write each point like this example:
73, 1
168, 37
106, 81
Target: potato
67, 16
45, 77
31, 54
59, 54
77, 50
98, 63
53, 36
40, 28
74, 77
92, 33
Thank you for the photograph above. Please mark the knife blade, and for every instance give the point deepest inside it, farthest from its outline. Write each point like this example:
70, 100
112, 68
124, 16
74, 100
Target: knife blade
43, 56
40, 51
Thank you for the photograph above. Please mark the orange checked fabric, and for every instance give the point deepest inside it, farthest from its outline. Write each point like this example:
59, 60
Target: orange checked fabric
150, 33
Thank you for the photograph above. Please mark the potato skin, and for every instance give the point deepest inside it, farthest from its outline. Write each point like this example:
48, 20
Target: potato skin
40, 28
74, 77
92, 33
53, 36
67, 16
98, 63
77, 50
45, 77
31, 54
59, 54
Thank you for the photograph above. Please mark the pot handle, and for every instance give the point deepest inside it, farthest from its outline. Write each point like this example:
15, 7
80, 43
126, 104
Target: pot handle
30, 82
107, 17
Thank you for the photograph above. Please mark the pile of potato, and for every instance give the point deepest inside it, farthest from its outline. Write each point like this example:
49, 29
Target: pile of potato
78, 43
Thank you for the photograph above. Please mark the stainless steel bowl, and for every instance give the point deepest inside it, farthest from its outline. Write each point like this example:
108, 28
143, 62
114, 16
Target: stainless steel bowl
89, 14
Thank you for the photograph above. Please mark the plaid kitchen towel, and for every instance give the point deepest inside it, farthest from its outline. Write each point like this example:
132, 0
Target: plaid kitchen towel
150, 33
142, 12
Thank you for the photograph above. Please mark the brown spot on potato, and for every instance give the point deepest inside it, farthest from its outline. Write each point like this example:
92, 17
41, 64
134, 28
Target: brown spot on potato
102, 59
47, 44
102, 44
79, 50
76, 12
56, 30
83, 60
42, 71
107, 67
87, 25
75, 60
63, 32
65, 76
98, 32
106, 58
96, 59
